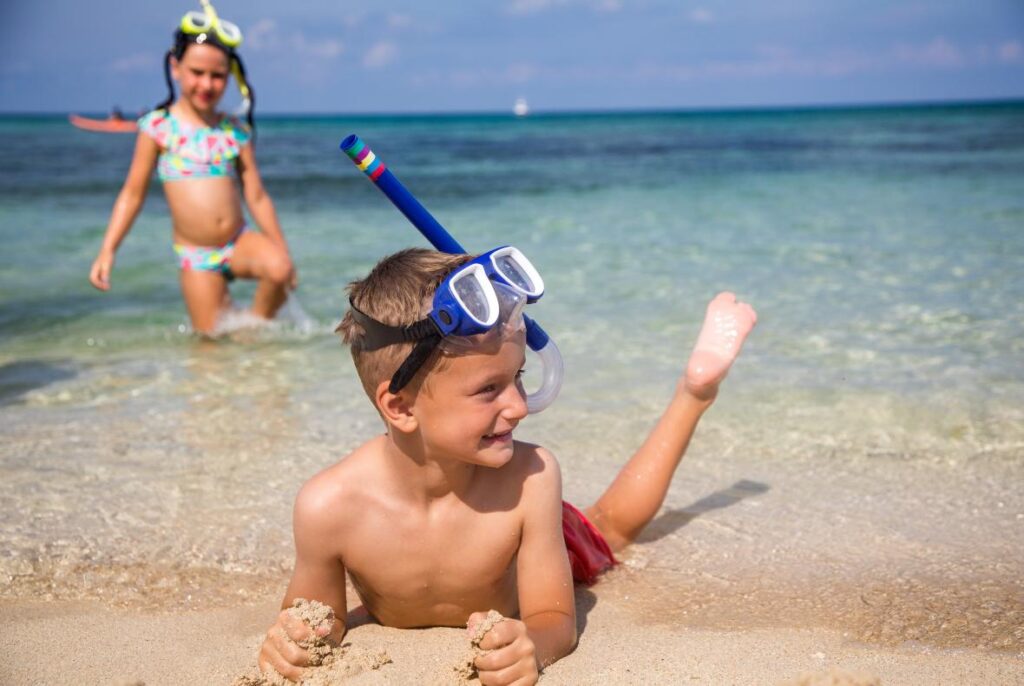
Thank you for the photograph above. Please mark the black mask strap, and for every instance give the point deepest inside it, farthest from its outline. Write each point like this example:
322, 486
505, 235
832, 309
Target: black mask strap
416, 359
376, 335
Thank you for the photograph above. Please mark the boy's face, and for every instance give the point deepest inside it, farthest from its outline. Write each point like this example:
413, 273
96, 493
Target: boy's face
467, 408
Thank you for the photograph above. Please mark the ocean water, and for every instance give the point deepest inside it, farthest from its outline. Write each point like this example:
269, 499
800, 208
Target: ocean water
883, 249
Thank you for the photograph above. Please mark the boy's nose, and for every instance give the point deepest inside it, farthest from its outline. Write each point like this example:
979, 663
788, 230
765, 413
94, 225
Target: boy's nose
515, 402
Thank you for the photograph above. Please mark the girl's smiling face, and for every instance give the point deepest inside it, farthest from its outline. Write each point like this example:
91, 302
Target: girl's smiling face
202, 75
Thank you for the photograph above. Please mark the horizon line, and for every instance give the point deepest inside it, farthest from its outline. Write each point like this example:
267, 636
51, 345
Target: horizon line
696, 109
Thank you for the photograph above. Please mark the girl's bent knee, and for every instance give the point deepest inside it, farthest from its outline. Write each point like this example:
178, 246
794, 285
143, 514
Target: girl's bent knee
278, 270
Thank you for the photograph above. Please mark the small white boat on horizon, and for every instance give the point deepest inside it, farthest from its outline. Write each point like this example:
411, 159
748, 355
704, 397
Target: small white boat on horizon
521, 108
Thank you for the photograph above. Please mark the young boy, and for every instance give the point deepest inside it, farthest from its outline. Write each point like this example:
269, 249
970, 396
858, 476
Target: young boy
445, 516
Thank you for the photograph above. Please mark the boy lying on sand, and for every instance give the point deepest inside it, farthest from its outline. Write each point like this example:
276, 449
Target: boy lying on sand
445, 516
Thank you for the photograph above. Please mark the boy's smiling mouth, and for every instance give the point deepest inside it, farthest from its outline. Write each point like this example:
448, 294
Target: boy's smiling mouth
499, 437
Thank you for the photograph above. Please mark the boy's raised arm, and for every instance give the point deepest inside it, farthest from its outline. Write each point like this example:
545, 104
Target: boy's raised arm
319, 574
547, 630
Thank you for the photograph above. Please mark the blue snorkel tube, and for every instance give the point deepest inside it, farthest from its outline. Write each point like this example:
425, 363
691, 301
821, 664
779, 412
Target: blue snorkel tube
536, 338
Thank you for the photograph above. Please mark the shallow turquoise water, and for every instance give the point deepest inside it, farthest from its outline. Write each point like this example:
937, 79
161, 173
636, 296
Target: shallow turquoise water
883, 249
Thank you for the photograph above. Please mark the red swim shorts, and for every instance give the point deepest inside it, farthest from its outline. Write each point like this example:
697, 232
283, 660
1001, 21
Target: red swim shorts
589, 553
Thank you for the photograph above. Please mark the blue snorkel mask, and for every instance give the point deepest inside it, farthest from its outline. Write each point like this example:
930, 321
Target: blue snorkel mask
484, 295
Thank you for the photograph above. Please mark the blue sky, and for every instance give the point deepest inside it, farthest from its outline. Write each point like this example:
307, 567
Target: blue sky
480, 55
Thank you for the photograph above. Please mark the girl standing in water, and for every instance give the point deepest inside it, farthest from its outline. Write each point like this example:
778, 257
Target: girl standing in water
198, 152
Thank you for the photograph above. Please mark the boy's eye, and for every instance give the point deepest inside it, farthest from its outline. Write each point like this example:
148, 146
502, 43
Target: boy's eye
495, 388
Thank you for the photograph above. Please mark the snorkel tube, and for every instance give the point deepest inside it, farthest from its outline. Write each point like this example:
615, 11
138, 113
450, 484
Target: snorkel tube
536, 338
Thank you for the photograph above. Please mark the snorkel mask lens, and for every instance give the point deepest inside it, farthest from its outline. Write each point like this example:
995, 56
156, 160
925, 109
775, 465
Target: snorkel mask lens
508, 321
518, 272
475, 289
195, 22
229, 34
207, 21
474, 298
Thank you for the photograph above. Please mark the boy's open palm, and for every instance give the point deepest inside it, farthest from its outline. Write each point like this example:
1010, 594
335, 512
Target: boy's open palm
512, 657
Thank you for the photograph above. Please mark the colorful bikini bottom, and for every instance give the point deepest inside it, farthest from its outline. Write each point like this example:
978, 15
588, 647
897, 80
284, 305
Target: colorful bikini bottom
208, 259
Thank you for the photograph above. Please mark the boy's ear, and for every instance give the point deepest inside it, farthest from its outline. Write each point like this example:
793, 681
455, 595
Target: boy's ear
396, 408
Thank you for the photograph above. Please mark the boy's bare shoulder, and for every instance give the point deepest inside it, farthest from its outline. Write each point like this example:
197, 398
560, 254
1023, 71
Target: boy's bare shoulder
537, 467
534, 455
329, 495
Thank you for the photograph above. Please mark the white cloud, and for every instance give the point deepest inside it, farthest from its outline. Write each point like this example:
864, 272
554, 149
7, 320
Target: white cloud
765, 61
325, 48
354, 19
702, 15
532, 6
397, 20
265, 36
380, 55
1012, 52
473, 77
937, 53
770, 61
261, 35
775, 52
139, 62
520, 73
523, 7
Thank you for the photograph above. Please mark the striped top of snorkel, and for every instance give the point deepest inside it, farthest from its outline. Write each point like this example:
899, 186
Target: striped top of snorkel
388, 184
363, 157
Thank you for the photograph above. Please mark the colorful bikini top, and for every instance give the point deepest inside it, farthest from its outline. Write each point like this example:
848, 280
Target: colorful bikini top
194, 152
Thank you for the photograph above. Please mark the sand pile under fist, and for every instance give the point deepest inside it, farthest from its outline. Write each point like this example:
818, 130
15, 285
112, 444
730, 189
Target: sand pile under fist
327, 664
465, 671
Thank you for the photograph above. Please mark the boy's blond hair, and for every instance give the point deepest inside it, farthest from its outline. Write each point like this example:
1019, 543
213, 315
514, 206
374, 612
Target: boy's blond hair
398, 291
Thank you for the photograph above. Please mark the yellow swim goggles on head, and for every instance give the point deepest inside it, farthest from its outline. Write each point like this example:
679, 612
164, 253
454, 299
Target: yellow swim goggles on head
207, 21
